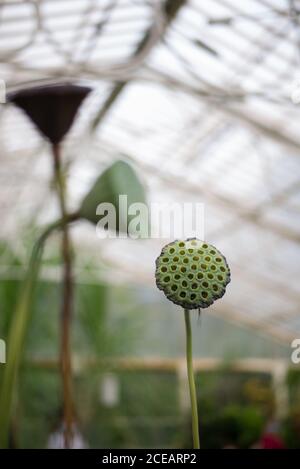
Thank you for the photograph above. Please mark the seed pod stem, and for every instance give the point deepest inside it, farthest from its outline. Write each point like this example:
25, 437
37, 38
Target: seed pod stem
67, 303
192, 387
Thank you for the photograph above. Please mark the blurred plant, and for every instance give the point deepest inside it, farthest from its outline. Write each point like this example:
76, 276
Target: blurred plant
291, 428
16, 335
53, 109
192, 274
260, 393
293, 381
240, 426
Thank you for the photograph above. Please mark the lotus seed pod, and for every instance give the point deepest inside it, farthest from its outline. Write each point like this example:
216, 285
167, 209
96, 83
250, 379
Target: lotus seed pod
192, 273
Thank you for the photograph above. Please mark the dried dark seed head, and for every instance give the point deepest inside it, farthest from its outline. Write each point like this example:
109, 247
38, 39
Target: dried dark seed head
191, 273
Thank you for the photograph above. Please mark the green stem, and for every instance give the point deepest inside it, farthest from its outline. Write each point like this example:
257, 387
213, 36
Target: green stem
17, 333
193, 396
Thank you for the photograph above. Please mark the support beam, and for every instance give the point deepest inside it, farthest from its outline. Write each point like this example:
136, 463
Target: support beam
280, 389
250, 365
171, 9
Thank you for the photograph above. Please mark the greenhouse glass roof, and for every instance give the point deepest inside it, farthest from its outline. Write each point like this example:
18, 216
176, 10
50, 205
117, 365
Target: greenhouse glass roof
202, 97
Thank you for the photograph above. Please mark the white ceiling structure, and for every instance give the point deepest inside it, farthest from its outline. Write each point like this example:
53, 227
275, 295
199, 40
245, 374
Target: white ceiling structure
201, 96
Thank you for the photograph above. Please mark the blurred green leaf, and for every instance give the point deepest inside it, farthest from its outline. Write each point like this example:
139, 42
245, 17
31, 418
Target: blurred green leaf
17, 335
118, 179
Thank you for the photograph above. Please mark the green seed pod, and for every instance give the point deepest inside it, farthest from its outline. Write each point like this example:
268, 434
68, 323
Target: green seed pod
192, 273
